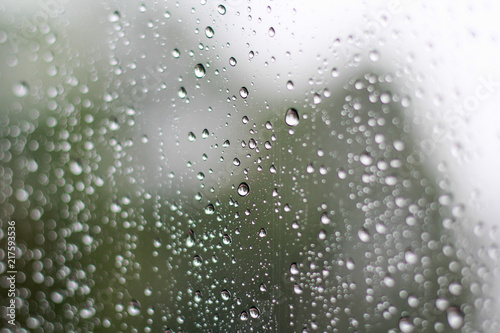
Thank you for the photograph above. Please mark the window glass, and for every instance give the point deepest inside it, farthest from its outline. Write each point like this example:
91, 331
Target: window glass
249, 166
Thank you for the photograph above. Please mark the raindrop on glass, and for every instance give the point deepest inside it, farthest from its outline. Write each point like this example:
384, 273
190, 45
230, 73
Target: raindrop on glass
292, 117
20, 89
134, 308
221, 9
209, 32
244, 92
199, 71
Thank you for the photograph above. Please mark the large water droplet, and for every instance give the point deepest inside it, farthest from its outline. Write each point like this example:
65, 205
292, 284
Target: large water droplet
232, 61
292, 117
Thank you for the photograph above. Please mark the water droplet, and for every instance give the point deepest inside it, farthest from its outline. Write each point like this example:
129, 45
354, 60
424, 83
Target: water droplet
389, 281
297, 289
221, 9
236, 161
262, 233
244, 316
292, 117
226, 295
134, 308
232, 61
254, 312
349, 264
199, 71
365, 159
405, 325
294, 269
114, 17
363, 235
197, 261
76, 168
190, 238
271, 32
209, 210
182, 92
197, 297
316, 99
20, 89
374, 55
226, 239
243, 189
335, 72
325, 219
191, 136
413, 301
455, 318
205, 134
290, 85
410, 256
209, 32
244, 92
385, 97
176, 53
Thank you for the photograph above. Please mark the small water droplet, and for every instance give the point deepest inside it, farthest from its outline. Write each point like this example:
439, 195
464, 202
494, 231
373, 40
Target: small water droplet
243, 189
197, 261
244, 92
209, 210
20, 89
405, 325
254, 312
244, 316
374, 55
205, 134
363, 235
389, 281
199, 71
221, 9
292, 117
262, 233
191, 136
290, 85
410, 256
271, 32
182, 92
366, 159
176, 53
209, 32
114, 17
76, 168
335, 72
349, 264
455, 318
134, 308
190, 238
325, 219
294, 269
226, 295
297, 289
